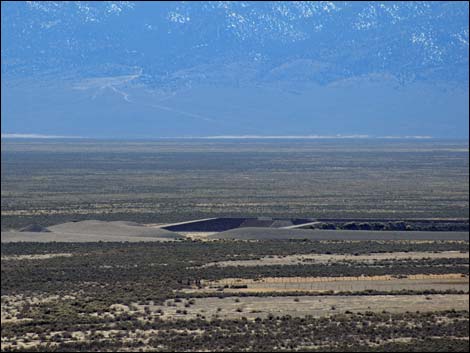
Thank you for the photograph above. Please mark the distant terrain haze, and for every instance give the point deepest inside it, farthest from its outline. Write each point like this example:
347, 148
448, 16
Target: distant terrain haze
192, 69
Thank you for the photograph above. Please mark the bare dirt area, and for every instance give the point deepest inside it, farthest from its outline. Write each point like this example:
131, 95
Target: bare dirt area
35, 256
12, 305
335, 284
324, 258
253, 307
72, 238
92, 231
203, 236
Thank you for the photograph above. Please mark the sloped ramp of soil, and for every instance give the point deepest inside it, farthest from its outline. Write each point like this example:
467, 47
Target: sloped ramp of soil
91, 231
35, 228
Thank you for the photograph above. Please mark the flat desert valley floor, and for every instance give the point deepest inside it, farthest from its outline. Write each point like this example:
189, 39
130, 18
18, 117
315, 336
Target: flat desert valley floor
235, 245
51, 182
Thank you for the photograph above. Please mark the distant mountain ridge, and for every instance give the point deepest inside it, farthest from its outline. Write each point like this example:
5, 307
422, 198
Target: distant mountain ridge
173, 63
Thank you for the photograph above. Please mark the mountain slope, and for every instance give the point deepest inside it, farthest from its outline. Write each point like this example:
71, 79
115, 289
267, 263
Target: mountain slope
146, 69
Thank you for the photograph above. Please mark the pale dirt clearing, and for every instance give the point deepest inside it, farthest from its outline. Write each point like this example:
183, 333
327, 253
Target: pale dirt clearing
93, 231
197, 235
114, 228
11, 305
35, 256
317, 306
323, 258
337, 284
10, 237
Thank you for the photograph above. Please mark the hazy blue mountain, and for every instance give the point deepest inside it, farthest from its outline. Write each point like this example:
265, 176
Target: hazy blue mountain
144, 69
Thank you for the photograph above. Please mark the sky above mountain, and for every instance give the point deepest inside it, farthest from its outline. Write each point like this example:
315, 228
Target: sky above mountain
162, 69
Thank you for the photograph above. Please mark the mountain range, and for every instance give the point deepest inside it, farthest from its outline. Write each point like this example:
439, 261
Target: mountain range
161, 69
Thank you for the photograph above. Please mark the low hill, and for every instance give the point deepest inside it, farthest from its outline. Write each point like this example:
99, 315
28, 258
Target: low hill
91, 231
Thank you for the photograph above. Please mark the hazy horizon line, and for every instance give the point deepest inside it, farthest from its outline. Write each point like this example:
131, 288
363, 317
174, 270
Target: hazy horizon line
39, 136
222, 137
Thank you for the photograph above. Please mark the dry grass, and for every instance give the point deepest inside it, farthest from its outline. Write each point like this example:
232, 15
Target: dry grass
253, 307
324, 258
35, 257
337, 284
